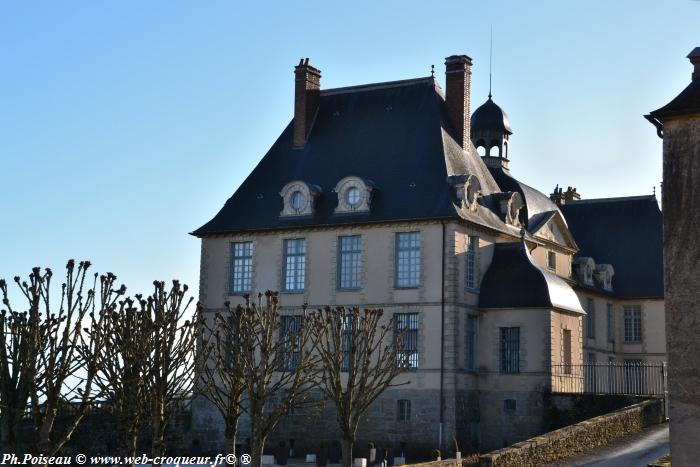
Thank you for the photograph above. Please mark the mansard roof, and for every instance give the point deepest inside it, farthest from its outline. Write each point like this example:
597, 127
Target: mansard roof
625, 232
395, 134
513, 280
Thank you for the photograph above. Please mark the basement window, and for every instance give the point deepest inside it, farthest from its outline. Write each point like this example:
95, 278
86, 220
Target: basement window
509, 405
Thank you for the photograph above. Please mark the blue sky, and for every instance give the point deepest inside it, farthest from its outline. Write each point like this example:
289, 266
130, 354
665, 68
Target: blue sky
125, 125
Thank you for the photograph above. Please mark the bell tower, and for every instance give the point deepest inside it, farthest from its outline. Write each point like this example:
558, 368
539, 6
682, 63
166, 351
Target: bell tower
491, 131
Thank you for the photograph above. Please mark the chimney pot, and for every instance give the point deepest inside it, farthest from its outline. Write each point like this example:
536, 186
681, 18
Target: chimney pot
458, 95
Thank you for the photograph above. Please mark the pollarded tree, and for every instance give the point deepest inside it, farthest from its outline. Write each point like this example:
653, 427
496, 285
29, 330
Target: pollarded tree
277, 362
220, 374
169, 366
47, 355
360, 359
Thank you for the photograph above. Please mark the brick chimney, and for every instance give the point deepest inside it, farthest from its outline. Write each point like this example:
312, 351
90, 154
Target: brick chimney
458, 71
307, 95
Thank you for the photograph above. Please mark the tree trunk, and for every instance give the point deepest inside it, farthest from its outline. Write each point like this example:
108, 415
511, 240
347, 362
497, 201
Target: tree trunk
231, 434
158, 445
347, 451
7, 433
257, 445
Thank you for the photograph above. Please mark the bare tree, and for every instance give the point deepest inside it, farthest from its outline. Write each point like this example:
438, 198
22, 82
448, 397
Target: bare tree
277, 362
122, 364
170, 361
220, 376
361, 357
49, 356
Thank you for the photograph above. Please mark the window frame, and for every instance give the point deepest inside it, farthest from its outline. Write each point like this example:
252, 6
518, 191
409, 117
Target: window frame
471, 268
403, 410
409, 345
610, 318
471, 345
397, 260
292, 341
354, 254
590, 318
245, 261
298, 270
633, 329
567, 350
509, 344
551, 260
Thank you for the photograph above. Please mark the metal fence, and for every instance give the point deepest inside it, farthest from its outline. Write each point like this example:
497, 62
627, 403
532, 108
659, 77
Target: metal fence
638, 379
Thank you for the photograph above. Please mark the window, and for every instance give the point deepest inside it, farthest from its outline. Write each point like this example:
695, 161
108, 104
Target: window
566, 347
346, 341
407, 259
294, 264
408, 324
590, 319
510, 350
509, 405
633, 323
289, 335
230, 335
471, 343
352, 196
472, 254
241, 267
552, 260
403, 410
297, 200
349, 262
611, 322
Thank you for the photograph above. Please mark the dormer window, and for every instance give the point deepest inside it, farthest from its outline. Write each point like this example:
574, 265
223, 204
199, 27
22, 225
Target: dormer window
467, 190
584, 268
299, 198
603, 274
354, 195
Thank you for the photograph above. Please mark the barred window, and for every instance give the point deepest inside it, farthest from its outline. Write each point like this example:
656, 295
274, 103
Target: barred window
611, 322
407, 259
408, 324
403, 410
566, 347
346, 341
471, 343
241, 267
590, 319
349, 262
633, 323
289, 335
510, 350
294, 264
510, 405
472, 253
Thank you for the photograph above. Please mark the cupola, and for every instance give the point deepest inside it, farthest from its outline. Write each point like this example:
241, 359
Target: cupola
490, 130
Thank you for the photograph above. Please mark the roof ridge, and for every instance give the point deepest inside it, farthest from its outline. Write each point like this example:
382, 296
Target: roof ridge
604, 200
373, 86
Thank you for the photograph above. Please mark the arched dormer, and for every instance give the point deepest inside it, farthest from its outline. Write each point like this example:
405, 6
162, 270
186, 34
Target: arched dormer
299, 198
354, 195
584, 267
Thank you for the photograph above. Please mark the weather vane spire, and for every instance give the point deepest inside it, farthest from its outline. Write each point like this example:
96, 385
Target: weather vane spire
490, 60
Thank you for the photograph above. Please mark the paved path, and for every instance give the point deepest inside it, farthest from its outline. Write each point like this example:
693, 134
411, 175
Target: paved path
636, 450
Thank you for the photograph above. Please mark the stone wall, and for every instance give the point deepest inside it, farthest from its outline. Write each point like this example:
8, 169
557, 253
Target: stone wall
577, 438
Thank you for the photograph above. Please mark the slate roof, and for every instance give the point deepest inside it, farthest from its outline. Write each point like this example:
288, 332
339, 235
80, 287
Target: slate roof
490, 116
538, 209
395, 134
624, 232
688, 101
513, 280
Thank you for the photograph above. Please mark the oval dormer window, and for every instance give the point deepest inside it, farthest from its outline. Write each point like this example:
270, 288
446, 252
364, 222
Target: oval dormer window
352, 196
297, 200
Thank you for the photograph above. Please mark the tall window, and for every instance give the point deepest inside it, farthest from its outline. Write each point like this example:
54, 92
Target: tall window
566, 347
552, 260
471, 343
294, 264
472, 261
346, 341
403, 410
407, 259
349, 262
408, 324
241, 267
590, 319
510, 350
633, 323
289, 334
611, 322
